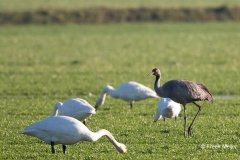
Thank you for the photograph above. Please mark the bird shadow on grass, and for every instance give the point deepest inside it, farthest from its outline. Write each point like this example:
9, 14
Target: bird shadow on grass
164, 131
106, 109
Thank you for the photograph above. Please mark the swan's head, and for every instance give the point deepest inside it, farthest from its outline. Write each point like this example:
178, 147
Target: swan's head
58, 104
155, 72
122, 148
156, 117
104, 92
99, 102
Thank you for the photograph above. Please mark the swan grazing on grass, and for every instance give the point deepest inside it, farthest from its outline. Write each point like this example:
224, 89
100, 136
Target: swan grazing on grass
66, 131
167, 108
76, 108
128, 91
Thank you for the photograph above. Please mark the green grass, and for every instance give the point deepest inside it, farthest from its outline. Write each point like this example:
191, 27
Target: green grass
16, 5
40, 65
76, 60
216, 126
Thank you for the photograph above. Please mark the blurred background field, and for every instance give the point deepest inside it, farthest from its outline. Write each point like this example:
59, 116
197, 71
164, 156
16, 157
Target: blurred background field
43, 64
91, 12
52, 60
16, 5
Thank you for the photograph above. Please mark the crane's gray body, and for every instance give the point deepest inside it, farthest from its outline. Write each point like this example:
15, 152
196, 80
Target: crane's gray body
183, 91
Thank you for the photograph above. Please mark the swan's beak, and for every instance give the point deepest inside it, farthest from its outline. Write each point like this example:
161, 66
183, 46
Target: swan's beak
151, 73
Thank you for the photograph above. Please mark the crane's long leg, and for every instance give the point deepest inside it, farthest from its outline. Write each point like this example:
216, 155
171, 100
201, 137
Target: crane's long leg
52, 147
190, 127
64, 149
185, 120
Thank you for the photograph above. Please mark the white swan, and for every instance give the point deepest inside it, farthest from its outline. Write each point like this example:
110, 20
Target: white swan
76, 108
66, 131
128, 91
167, 108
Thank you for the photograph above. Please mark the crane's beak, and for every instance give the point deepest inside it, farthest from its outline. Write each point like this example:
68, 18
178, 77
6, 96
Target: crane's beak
151, 73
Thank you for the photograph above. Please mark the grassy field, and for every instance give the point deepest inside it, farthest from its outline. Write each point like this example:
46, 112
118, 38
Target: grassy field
40, 65
76, 60
16, 5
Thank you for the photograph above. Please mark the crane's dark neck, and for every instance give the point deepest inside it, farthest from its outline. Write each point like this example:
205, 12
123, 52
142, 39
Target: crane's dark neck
157, 87
157, 82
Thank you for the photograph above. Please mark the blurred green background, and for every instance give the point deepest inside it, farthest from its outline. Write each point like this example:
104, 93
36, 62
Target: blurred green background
17, 5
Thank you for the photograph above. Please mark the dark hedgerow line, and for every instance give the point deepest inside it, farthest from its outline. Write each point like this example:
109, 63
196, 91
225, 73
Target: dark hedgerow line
108, 15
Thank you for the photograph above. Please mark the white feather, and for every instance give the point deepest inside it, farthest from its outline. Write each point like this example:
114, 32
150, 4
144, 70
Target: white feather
167, 108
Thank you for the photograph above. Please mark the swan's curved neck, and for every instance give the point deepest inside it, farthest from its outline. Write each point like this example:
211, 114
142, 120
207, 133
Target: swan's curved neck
157, 116
94, 136
110, 90
55, 109
103, 132
104, 93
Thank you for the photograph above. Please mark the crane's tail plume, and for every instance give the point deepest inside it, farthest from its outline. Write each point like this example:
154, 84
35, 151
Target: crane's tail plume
209, 95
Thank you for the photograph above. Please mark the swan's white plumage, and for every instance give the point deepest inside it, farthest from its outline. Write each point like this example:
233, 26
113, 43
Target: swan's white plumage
76, 107
167, 108
128, 91
67, 130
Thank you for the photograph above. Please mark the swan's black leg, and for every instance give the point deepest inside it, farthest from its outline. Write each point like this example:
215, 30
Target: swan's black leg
64, 148
190, 127
131, 105
84, 122
164, 119
185, 121
52, 146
